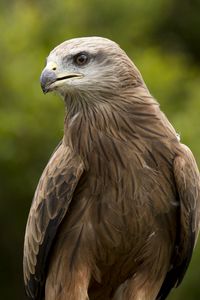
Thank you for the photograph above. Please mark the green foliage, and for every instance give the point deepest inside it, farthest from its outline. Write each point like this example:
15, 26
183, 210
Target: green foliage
156, 36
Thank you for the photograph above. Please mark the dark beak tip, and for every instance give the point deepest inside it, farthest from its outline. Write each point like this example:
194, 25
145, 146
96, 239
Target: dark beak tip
44, 89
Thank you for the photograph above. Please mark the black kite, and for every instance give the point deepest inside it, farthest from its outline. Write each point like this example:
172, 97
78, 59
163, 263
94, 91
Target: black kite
116, 211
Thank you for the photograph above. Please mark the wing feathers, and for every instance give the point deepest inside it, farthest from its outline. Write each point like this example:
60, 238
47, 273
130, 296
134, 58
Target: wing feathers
50, 203
187, 180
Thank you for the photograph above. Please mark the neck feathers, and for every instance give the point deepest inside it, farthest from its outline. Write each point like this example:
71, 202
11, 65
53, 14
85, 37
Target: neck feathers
101, 125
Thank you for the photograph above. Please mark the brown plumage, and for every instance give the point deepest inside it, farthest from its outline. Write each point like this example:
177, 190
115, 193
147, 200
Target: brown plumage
116, 211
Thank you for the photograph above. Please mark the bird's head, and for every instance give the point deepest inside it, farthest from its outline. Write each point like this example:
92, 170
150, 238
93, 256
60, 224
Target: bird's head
88, 65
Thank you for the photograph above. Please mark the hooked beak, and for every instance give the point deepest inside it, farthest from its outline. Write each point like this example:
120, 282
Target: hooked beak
51, 79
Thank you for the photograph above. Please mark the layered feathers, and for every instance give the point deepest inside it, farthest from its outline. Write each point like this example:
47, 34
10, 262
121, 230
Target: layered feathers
116, 212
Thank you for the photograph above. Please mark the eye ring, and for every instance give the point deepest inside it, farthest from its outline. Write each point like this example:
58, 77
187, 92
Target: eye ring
81, 59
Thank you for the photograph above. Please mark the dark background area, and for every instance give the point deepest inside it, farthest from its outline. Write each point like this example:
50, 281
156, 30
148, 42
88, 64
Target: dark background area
161, 36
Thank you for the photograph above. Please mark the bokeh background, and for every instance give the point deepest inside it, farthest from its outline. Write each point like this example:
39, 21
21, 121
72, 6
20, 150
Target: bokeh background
161, 36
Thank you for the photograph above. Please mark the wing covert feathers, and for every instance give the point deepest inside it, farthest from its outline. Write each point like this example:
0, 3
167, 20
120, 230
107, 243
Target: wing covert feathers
51, 201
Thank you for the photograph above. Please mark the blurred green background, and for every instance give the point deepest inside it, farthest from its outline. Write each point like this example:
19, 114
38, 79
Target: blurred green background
161, 36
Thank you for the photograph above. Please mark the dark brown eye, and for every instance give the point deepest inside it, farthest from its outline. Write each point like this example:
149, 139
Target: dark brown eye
81, 59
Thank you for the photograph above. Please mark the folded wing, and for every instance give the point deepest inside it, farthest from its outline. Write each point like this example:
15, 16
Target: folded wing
187, 180
50, 204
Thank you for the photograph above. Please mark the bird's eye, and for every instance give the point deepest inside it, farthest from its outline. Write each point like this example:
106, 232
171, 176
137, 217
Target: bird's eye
81, 59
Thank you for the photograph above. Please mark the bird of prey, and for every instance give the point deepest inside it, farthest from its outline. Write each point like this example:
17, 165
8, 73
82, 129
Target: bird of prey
116, 211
